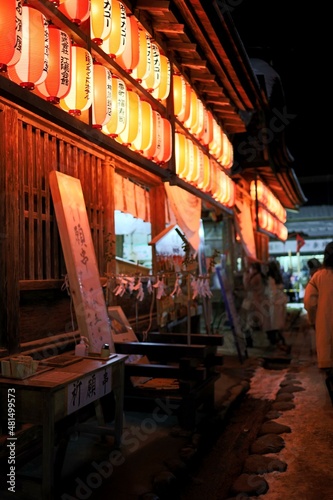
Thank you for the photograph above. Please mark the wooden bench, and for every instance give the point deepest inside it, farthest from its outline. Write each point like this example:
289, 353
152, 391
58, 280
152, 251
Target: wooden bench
192, 366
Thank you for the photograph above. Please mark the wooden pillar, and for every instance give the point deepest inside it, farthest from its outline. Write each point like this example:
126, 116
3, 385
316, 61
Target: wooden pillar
9, 231
109, 223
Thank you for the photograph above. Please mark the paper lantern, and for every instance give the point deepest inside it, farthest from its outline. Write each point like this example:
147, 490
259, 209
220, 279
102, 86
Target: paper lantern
143, 140
180, 153
10, 33
194, 111
76, 10
79, 97
102, 96
181, 98
164, 146
129, 58
117, 123
226, 158
31, 68
205, 136
215, 146
114, 44
204, 172
133, 115
145, 60
163, 90
100, 20
151, 152
57, 82
154, 77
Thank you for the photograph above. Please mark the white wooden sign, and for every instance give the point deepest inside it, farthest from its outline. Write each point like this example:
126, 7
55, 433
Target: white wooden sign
88, 299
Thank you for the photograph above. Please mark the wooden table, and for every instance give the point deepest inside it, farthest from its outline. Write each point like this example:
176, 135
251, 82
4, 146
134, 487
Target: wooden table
50, 396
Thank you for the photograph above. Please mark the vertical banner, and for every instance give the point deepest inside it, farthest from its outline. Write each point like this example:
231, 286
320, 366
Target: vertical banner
79, 253
226, 291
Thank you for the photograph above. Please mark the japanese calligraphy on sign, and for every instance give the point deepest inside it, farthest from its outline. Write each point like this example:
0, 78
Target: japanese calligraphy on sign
79, 253
87, 389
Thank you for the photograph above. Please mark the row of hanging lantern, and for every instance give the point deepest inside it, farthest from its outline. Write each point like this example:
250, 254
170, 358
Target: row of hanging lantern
271, 214
41, 57
200, 122
198, 169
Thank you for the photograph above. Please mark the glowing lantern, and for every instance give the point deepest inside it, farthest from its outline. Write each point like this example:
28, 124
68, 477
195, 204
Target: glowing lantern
194, 111
163, 90
10, 33
129, 59
144, 138
198, 127
79, 97
100, 20
31, 69
151, 152
153, 79
102, 96
57, 82
145, 60
164, 152
133, 115
114, 44
204, 172
180, 153
76, 10
215, 146
117, 122
226, 158
193, 174
206, 135
181, 98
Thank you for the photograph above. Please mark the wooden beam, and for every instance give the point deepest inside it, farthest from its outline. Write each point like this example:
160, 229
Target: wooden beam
152, 6
193, 63
182, 46
169, 27
202, 77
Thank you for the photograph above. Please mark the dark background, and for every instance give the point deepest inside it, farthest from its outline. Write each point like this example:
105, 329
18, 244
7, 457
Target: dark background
291, 36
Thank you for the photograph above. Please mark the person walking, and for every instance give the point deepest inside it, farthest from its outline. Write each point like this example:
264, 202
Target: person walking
277, 306
318, 302
253, 313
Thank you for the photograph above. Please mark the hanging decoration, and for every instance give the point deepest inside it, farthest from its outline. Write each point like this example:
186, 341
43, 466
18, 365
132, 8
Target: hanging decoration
117, 122
31, 69
163, 90
141, 71
10, 33
153, 79
102, 96
144, 138
129, 58
114, 44
77, 11
181, 98
58, 80
133, 117
100, 20
79, 97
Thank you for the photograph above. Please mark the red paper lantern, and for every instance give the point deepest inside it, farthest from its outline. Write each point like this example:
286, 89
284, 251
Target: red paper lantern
32, 67
10, 33
58, 80
129, 59
117, 123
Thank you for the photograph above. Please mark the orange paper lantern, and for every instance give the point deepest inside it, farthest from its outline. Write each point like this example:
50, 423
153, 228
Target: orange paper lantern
154, 77
143, 140
31, 69
57, 82
100, 20
133, 116
114, 44
145, 60
129, 59
163, 90
79, 97
10, 33
102, 96
117, 122
76, 10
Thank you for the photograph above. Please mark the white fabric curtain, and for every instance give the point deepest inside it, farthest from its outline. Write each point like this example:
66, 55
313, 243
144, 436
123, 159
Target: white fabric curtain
186, 209
131, 198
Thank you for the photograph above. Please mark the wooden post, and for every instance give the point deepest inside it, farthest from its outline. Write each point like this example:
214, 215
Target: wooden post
9, 233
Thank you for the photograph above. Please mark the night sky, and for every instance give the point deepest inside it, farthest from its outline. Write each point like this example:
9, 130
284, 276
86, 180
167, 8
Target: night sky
292, 38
